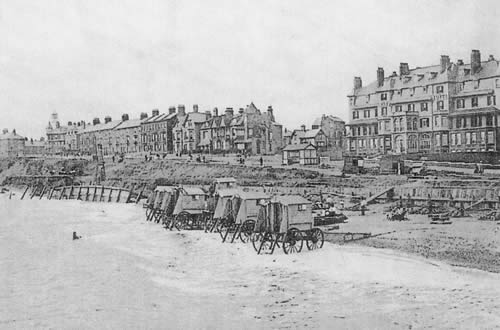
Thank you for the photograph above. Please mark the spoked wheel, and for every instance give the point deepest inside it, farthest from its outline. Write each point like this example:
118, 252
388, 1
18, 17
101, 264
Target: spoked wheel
292, 242
181, 221
262, 242
316, 239
208, 223
246, 230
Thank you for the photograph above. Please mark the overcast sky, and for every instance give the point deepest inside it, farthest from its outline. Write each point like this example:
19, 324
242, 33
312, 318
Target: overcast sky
94, 58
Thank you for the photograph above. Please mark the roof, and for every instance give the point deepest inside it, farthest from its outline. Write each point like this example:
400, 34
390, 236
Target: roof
193, 191
473, 111
299, 133
312, 133
130, 123
296, 147
11, 136
165, 188
226, 192
102, 127
474, 92
290, 200
253, 195
319, 121
422, 76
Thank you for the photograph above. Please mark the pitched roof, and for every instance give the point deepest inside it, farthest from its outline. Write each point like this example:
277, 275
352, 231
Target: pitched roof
130, 123
165, 188
11, 136
296, 147
102, 127
311, 133
251, 195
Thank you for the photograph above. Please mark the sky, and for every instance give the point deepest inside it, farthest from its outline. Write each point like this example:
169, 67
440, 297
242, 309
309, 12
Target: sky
88, 58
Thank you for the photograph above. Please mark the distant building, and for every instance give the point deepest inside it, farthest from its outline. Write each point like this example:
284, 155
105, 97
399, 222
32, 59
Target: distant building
448, 107
157, 131
303, 154
100, 135
34, 148
11, 144
62, 139
127, 135
334, 129
187, 131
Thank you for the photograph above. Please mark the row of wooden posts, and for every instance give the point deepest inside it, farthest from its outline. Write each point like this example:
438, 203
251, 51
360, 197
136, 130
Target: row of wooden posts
89, 193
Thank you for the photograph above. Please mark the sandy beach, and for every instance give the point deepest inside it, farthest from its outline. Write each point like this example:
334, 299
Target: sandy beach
127, 273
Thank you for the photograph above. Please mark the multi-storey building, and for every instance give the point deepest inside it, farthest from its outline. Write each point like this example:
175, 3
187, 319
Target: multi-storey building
99, 135
157, 131
417, 110
11, 144
127, 135
187, 131
63, 139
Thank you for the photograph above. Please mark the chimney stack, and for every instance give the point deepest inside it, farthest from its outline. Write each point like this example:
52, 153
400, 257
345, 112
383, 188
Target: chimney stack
445, 63
303, 127
70, 123
144, 115
380, 77
171, 110
14, 131
357, 83
124, 117
216, 112
475, 61
5, 131
181, 110
107, 119
96, 121
209, 114
491, 58
155, 112
195, 107
404, 69
460, 62
241, 110
229, 112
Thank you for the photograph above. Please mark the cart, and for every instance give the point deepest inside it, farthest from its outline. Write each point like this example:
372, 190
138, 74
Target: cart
191, 209
240, 215
218, 203
286, 221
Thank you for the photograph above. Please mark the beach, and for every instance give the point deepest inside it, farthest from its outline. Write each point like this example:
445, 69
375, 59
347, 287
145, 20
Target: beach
128, 273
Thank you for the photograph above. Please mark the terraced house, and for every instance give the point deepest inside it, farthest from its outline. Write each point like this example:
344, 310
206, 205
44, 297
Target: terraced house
157, 131
250, 131
186, 133
448, 107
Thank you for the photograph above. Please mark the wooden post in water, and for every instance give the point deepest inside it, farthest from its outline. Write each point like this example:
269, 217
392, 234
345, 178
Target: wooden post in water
35, 189
130, 194
101, 197
110, 193
51, 192
25, 191
63, 189
140, 193
119, 194
43, 191
87, 194
95, 194
71, 192
79, 193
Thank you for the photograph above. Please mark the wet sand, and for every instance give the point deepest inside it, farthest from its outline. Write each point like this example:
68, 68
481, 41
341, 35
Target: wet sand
127, 273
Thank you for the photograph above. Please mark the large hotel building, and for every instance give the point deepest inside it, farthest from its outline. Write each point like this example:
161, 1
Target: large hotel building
449, 107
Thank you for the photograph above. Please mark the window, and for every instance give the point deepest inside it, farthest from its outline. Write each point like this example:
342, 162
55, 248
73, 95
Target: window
474, 101
440, 105
399, 108
445, 140
423, 106
482, 138
459, 139
384, 111
355, 115
383, 96
439, 89
460, 103
302, 207
424, 122
366, 114
473, 138
491, 100
467, 138
489, 120
497, 83
453, 139
415, 123
490, 137
376, 112
410, 108
438, 139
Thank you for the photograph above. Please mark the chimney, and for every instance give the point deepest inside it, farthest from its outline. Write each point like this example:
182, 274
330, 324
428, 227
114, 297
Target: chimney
209, 114
380, 77
5, 131
14, 131
124, 117
70, 123
229, 112
78, 124
96, 121
171, 110
144, 115
394, 74
216, 112
491, 58
357, 83
475, 61
155, 112
404, 69
445, 63
107, 119
241, 110
181, 110
195, 107
303, 127
270, 112
460, 62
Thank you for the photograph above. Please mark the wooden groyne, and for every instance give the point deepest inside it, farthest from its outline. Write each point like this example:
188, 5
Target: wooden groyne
87, 193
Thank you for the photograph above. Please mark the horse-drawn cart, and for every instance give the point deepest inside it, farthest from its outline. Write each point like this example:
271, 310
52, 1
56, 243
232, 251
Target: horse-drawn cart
286, 221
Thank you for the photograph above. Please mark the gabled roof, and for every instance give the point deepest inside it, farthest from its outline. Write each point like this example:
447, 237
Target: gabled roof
312, 133
165, 188
298, 133
102, 127
130, 123
252, 195
11, 136
296, 147
319, 121
193, 191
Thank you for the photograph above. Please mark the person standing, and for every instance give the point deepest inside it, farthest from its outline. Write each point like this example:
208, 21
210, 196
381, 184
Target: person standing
261, 161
